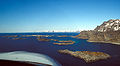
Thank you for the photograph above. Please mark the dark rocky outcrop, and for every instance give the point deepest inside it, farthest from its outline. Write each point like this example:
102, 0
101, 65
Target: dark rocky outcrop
88, 56
108, 32
83, 35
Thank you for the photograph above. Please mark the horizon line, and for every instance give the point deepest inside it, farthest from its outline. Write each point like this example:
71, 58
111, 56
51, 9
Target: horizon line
39, 32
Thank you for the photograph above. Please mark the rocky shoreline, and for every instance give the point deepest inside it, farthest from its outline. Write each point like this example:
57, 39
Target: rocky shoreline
105, 42
87, 56
108, 32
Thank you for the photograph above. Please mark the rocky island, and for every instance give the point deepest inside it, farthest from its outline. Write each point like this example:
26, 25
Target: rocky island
108, 32
45, 39
57, 42
63, 36
69, 42
10, 36
88, 56
37, 35
14, 37
18, 38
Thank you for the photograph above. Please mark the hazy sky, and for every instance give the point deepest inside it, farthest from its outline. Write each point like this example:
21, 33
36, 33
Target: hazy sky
58, 15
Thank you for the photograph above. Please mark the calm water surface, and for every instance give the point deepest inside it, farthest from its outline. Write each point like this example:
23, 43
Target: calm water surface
48, 48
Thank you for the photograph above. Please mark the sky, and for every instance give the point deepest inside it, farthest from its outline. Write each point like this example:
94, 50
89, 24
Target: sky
57, 15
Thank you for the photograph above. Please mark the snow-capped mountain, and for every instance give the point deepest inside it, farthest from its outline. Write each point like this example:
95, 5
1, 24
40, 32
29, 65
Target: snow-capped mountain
110, 25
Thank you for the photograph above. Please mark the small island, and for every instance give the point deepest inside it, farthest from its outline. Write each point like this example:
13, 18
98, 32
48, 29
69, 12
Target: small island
10, 36
14, 37
18, 38
88, 56
37, 35
69, 42
45, 39
63, 36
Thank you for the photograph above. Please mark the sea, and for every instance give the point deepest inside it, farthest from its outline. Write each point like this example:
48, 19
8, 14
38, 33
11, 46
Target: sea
31, 44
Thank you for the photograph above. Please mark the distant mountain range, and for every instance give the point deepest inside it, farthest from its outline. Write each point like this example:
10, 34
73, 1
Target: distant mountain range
108, 32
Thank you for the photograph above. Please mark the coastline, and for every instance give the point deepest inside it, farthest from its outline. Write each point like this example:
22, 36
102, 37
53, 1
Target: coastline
115, 43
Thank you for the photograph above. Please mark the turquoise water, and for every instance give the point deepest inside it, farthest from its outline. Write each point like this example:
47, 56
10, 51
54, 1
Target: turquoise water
31, 44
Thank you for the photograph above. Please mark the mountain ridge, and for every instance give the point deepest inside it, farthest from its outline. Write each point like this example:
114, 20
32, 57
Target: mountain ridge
112, 24
108, 32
